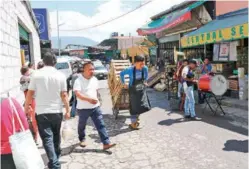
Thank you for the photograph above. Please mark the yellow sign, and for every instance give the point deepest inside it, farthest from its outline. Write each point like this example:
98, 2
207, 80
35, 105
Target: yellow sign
232, 33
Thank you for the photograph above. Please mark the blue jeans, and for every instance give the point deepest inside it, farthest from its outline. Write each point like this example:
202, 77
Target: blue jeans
97, 118
134, 118
189, 105
49, 126
73, 109
179, 89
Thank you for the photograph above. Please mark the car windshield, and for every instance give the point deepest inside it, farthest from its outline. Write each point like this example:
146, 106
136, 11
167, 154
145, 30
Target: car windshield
63, 65
100, 68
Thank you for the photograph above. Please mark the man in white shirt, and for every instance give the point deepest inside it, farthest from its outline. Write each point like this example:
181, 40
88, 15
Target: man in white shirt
50, 89
86, 90
188, 86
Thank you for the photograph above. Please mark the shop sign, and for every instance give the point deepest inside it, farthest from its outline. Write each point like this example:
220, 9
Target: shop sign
76, 52
232, 33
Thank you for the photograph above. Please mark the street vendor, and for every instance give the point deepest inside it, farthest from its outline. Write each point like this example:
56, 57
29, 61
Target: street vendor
139, 103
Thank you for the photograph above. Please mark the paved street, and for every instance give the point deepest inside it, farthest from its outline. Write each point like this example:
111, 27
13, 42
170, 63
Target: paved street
166, 140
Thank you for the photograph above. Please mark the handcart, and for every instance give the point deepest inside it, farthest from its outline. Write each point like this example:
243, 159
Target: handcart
119, 95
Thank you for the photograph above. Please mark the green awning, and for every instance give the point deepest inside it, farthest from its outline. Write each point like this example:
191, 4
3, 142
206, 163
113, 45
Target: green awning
23, 33
226, 27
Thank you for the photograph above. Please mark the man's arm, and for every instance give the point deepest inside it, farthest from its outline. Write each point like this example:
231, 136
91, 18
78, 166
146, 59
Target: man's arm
64, 97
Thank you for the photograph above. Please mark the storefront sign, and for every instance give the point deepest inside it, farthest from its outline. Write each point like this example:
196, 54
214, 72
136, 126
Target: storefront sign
76, 52
42, 19
236, 32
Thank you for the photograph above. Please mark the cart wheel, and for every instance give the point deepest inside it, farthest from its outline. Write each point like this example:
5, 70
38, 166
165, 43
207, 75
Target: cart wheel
115, 113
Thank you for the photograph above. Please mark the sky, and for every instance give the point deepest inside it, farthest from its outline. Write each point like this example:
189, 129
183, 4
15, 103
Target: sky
75, 15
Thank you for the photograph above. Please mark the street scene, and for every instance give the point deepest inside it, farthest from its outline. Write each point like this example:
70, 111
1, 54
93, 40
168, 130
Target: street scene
118, 84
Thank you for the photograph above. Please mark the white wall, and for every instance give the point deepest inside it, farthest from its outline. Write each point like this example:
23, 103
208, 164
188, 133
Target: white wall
12, 12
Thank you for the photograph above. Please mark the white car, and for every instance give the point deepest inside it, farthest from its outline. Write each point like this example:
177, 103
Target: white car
100, 72
64, 66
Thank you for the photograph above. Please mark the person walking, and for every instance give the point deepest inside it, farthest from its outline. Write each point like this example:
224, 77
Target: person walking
7, 161
188, 86
139, 103
24, 81
50, 89
86, 90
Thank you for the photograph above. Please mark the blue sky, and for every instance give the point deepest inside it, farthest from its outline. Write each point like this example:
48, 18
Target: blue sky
85, 7
76, 15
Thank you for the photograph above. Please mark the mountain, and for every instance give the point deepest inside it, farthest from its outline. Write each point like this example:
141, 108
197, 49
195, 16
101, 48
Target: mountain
65, 40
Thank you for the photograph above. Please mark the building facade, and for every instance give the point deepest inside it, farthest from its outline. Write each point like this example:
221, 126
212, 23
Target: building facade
19, 44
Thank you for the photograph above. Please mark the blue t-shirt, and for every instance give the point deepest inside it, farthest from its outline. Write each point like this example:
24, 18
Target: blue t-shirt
208, 67
129, 72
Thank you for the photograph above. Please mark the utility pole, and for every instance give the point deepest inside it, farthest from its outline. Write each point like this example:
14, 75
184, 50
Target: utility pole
58, 33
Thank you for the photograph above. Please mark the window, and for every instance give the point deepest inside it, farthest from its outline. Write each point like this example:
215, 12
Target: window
62, 65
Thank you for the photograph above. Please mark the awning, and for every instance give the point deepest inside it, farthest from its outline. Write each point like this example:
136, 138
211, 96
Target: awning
226, 27
23, 33
170, 20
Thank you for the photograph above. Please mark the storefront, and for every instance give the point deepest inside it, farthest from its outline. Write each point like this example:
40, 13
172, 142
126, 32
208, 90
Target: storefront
19, 44
170, 27
228, 37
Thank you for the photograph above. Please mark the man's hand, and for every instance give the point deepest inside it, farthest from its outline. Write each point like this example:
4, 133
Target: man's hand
125, 86
93, 101
67, 115
146, 84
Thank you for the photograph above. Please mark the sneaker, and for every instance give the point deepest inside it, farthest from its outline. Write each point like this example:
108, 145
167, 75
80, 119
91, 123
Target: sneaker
108, 146
195, 118
83, 144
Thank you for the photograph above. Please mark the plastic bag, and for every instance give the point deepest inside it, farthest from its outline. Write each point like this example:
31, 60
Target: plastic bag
67, 131
24, 151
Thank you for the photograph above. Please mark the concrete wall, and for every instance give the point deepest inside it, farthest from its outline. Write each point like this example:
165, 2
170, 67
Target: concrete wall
13, 12
223, 7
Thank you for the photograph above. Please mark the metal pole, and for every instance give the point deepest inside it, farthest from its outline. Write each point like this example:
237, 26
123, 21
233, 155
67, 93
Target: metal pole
58, 33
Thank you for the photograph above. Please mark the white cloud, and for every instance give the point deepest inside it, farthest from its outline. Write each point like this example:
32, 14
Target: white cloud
108, 10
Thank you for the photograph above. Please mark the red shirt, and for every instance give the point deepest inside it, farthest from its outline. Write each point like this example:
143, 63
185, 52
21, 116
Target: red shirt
6, 123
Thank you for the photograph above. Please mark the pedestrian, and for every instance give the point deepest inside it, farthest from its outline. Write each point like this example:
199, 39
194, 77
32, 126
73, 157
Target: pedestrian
7, 161
74, 99
139, 103
188, 86
40, 65
31, 67
206, 68
86, 90
24, 81
180, 93
50, 89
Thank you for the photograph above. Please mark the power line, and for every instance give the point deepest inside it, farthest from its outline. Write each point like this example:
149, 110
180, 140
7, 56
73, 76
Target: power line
105, 22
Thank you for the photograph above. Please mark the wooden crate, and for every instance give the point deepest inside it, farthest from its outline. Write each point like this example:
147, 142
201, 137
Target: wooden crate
114, 82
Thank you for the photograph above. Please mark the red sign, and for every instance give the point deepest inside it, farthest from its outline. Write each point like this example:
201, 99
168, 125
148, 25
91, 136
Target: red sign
76, 52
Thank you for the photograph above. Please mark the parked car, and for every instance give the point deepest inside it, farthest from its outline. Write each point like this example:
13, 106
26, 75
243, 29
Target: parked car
64, 66
100, 72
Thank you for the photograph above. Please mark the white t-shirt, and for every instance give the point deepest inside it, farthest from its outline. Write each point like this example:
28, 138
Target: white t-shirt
87, 87
48, 83
185, 71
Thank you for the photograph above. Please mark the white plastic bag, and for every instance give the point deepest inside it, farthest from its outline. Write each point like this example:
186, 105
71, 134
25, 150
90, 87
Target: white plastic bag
67, 131
25, 153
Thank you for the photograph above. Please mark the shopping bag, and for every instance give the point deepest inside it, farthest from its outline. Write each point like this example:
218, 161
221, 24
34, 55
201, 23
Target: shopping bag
67, 131
24, 151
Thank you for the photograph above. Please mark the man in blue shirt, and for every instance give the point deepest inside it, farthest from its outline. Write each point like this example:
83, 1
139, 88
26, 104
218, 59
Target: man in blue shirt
207, 67
139, 103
